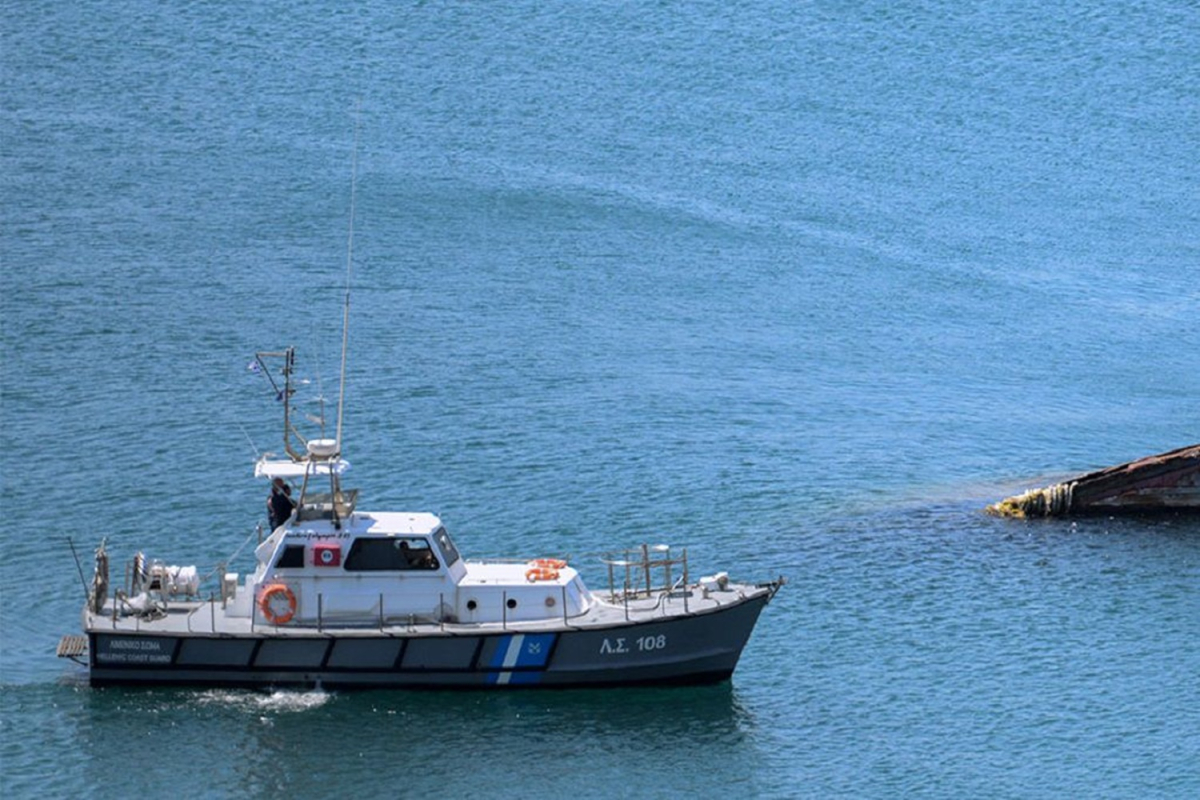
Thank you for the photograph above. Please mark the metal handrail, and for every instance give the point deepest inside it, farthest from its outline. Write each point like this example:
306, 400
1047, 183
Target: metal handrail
640, 566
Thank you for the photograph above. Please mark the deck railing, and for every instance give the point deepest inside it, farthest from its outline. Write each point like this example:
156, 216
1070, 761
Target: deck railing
644, 571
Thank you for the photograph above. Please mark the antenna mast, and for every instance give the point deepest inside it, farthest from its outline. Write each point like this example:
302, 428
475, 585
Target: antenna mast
349, 263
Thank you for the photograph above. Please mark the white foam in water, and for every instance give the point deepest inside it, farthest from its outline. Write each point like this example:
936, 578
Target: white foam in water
277, 701
294, 701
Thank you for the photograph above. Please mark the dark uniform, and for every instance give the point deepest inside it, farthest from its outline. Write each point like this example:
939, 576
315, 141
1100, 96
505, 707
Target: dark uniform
280, 503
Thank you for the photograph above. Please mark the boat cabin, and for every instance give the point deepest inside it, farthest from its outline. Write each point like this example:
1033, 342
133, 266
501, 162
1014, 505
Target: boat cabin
330, 565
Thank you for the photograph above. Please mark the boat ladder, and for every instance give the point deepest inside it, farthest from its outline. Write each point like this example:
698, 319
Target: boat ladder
72, 646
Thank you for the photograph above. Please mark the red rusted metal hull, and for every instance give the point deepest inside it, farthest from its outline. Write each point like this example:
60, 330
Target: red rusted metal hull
1164, 482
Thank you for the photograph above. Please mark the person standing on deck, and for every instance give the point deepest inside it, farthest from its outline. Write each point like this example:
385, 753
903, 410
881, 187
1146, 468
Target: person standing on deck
280, 503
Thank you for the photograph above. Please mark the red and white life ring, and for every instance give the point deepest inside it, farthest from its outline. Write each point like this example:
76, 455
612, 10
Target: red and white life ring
548, 563
267, 604
534, 574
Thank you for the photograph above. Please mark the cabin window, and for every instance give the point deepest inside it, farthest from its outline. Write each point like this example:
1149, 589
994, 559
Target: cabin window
389, 554
449, 551
292, 557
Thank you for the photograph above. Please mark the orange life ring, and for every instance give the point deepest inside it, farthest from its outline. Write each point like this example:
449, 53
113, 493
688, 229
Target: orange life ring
541, 574
548, 563
264, 604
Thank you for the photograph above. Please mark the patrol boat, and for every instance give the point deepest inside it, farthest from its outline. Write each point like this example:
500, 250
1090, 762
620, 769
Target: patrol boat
343, 598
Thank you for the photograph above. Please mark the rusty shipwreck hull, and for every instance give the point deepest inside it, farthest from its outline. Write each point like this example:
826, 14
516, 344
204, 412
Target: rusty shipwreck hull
1164, 482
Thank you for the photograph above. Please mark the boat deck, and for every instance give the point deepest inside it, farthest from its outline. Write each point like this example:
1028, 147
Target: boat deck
204, 617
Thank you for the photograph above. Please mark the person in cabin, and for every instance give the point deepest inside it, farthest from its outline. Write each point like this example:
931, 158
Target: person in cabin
416, 558
280, 503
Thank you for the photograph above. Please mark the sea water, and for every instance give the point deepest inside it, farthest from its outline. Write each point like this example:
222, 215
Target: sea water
801, 286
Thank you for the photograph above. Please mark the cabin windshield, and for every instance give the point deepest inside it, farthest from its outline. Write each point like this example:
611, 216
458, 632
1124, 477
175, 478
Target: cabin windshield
446, 546
390, 553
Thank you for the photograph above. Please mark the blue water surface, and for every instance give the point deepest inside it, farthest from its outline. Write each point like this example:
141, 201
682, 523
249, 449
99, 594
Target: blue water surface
801, 286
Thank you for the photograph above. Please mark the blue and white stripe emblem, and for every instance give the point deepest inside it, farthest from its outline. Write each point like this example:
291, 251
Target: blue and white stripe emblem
520, 650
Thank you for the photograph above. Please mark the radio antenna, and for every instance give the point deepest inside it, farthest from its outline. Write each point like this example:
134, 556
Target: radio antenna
349, 264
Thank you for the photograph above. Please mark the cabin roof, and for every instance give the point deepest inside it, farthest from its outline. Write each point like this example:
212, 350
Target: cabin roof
371, 523
397, 522
279, 468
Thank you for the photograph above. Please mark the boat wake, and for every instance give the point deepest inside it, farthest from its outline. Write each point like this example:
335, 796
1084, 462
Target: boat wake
279, 701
